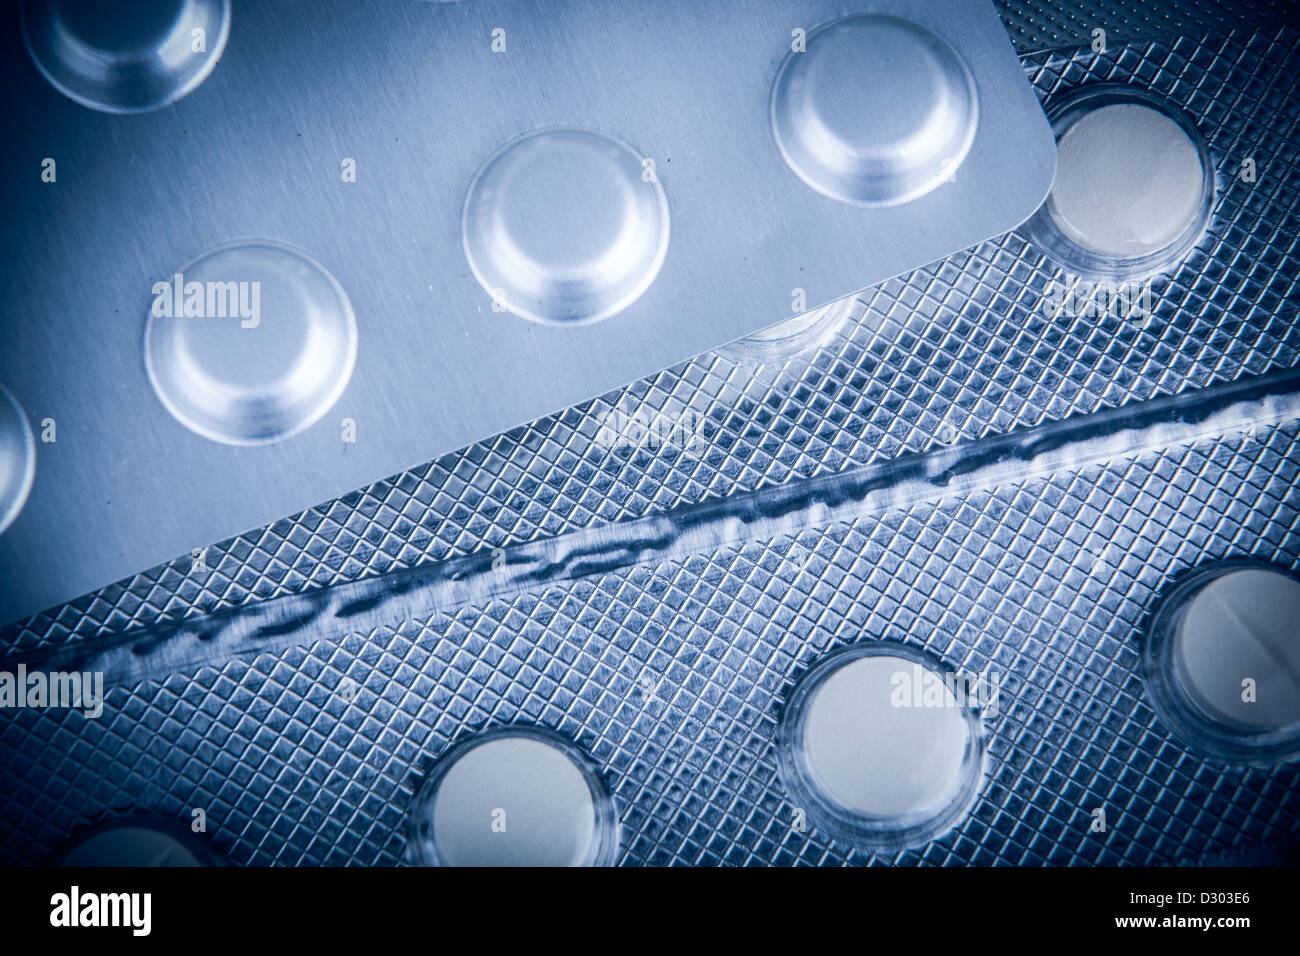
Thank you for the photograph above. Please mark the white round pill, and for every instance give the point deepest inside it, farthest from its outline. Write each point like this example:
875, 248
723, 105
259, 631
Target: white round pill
877, 754
1128, 182
514, 799
881, 746
1236, 649
131, 845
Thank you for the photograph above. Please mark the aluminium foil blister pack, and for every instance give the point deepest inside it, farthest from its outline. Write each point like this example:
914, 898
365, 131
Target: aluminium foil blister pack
951, 464
526, 199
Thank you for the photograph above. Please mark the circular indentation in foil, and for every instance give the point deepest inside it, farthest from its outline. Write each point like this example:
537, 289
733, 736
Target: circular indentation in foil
878, 745
517, 796
1134, 184
270, 353
565, 226
798, 334
126, 58
1222, 660
878, 110
135, 842
17, 458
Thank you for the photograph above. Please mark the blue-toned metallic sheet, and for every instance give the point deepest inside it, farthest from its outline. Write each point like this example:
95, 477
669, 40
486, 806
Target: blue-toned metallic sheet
672, 673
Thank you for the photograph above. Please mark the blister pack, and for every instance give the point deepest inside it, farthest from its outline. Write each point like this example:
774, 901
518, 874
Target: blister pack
363, 238
1031, 513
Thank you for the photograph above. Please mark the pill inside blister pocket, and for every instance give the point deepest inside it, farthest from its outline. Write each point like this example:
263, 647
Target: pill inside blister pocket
1128, 180
514, 797
134, 842
881, 747
566, 226
1243, 628
126, 57
250, 343
1134, 185
1222, 660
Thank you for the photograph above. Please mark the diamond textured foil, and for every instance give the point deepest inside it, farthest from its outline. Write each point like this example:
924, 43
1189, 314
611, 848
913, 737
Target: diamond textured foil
672, 676
1036, 25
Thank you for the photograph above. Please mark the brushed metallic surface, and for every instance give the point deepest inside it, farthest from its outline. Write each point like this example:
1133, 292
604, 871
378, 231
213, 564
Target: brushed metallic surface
414, 94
